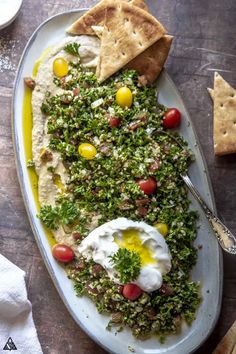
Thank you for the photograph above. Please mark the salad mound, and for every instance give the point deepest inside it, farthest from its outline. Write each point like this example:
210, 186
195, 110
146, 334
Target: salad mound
121, 163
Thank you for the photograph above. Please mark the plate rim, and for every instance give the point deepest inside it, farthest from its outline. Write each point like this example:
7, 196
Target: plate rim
25, 197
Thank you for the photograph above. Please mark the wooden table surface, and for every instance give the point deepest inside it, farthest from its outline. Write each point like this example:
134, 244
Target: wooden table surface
205, 34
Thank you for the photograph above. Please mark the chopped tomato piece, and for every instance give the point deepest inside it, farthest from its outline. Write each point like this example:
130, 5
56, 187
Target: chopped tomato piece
148, 186
114, 122
124, 97
88, 151
132, 291
63, 253
172, 118
60, 67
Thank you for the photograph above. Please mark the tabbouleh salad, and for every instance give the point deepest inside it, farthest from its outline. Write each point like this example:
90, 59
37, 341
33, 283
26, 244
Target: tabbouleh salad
126, 144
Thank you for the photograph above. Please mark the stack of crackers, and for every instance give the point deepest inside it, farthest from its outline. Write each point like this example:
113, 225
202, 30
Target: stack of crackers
224, 102
130, 37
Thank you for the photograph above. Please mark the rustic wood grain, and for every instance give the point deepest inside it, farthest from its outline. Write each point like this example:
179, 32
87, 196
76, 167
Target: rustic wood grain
205, 34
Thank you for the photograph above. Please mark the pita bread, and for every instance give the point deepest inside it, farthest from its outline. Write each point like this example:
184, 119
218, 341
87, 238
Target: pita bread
128, 31
139, 3
98, 29
96, 17
224, 117
152, 60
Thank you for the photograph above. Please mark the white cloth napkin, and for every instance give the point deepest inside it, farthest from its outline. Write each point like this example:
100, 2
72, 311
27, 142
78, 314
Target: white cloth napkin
16, 321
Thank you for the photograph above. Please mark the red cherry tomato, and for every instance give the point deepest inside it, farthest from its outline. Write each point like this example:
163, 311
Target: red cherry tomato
62, 253
132, 291
148, 185
114, 122
172, 118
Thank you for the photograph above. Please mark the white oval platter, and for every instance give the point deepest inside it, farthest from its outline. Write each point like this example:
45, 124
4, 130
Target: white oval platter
208, 269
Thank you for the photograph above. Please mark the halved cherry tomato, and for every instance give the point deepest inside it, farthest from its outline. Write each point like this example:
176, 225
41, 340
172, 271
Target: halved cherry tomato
114, 122
88, 151
60, 67
62, 253
124, 97
132, 291
148, 186
172, 118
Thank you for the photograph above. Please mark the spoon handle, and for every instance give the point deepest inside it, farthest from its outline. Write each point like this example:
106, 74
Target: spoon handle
225, 237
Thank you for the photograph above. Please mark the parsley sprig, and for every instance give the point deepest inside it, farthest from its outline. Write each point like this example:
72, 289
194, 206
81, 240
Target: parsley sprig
72, 48
65, 213
127, 263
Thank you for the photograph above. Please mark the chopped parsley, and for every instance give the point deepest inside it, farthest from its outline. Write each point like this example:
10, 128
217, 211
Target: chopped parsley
107, 184
65, 213
105, 188
49, 216
127, 263
72, 48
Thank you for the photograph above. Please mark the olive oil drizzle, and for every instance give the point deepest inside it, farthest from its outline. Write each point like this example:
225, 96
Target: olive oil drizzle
27, 137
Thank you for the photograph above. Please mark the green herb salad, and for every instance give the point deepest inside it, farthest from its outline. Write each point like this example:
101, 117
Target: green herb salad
120, 163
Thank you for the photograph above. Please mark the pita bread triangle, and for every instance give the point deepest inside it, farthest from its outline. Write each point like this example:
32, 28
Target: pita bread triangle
96, 17
224, 117
138, 3
98, 30
93, 17
128, 31
151, 61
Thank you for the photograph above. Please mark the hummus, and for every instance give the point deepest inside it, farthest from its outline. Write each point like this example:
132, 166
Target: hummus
48, 187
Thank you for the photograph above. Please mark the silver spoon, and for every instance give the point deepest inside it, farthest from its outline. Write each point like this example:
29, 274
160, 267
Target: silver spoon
225, 237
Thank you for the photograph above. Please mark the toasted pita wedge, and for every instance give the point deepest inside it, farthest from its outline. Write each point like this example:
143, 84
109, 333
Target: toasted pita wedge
224, 117
152, 60
98, 30
128, 31
139, 3
96, 17
93, 17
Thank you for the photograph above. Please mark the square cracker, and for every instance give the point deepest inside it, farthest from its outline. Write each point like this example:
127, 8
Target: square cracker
96, 17
128, 31
224, 98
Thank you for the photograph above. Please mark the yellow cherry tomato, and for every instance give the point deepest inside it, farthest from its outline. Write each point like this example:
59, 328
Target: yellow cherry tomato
60, 67
88, 151
124, 97
162, 228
